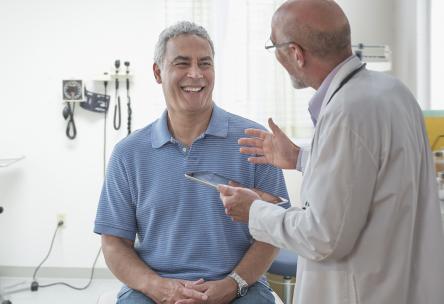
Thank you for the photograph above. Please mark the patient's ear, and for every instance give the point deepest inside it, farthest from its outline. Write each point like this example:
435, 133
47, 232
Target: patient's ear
156, 71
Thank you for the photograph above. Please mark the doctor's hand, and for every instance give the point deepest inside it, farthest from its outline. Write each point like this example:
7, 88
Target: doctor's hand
237, 201
267, 197
271, 148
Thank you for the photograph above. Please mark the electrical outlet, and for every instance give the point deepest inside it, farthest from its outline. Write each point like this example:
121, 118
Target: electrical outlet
61, 217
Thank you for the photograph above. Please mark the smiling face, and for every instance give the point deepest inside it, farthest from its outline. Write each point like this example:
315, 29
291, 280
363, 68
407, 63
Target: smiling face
187, 74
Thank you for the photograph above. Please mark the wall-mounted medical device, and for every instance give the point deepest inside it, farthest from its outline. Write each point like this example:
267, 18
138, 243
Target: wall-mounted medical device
74, 91
377, 57
119, 76
95, 102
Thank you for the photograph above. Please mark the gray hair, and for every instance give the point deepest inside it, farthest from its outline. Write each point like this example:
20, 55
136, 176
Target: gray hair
180, 28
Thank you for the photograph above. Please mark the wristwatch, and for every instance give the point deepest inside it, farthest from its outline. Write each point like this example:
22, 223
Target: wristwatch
242, 286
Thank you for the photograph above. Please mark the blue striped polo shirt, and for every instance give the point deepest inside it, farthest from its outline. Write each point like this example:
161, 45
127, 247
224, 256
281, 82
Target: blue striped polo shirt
181, 226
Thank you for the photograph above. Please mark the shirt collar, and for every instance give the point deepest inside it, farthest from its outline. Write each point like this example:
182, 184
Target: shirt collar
218, 126
315, 104
160, 134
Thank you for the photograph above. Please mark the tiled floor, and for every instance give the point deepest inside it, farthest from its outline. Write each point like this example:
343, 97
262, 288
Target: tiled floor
58, 294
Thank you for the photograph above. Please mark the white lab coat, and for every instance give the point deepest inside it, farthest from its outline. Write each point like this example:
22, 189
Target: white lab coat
372, 232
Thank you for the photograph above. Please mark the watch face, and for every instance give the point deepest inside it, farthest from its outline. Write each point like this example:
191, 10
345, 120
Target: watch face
72, 90
243, 291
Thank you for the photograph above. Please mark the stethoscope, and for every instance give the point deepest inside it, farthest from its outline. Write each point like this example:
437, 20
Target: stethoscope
341, 84
345, 80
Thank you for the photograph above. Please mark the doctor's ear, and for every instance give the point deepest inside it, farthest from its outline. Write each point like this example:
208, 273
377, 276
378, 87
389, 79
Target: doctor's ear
298, 54
157, 72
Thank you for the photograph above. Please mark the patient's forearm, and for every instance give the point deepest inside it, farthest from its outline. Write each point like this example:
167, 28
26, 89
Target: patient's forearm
126, 265
256, 261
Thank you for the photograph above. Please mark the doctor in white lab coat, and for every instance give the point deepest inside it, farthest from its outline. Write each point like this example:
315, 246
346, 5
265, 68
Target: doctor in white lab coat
370, 231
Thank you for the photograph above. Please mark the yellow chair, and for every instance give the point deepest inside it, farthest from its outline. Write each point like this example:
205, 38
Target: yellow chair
434, 122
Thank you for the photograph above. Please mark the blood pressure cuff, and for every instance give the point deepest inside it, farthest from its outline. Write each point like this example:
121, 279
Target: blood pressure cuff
95, 102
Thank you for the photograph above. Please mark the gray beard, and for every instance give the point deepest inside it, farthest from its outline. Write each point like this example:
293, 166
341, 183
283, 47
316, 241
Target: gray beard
297, 83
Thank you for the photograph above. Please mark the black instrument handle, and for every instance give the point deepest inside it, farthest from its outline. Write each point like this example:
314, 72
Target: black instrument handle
117, 115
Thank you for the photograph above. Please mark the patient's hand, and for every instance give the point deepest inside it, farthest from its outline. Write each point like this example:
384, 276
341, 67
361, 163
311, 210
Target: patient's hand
218, 292
171, 291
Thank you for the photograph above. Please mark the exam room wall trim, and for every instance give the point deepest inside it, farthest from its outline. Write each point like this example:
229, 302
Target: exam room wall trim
43, 42
55, 272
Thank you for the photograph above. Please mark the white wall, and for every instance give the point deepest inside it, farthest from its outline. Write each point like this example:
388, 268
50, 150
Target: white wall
43, 42
403, 26
370, 21
405, 44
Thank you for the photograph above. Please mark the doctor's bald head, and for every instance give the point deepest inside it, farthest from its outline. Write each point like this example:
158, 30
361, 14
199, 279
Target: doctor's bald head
318, 26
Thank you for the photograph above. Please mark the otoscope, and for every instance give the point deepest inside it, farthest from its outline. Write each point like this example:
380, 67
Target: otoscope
127, 63
117, 113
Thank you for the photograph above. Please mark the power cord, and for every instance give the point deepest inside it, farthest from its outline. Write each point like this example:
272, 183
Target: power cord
59, 224
105, 85
35, 285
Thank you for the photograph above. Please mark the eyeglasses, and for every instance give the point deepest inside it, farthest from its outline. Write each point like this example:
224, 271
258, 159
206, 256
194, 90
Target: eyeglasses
271, 47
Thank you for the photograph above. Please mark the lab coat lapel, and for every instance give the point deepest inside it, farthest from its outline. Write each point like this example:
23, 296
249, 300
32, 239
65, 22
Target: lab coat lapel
343, 72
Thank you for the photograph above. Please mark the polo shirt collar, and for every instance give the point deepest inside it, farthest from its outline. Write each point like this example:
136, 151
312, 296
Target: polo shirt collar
218, 126
160, 133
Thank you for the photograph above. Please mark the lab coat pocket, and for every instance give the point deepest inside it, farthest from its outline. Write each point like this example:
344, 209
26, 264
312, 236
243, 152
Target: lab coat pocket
333, 287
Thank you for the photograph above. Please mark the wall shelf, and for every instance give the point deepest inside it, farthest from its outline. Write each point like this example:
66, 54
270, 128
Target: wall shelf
5, 162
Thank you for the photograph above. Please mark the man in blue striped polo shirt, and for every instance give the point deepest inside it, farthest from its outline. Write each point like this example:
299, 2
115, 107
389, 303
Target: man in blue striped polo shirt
188, 249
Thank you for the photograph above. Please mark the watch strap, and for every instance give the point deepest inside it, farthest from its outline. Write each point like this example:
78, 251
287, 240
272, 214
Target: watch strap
242, 285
